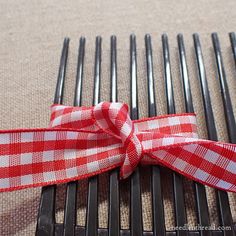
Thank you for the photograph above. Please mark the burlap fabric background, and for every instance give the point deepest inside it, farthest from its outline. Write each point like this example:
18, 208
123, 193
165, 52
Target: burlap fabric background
30, 44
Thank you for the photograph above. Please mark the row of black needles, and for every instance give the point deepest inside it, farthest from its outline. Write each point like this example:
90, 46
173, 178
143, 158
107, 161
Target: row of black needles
46, 224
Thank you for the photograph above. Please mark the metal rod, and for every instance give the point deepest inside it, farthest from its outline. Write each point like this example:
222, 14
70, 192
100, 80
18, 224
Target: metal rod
113, 70
46, 215
71, 191
231, 126
184, 71
135, 200
79, 74
223, 201
114, 202
201, 200
167, 75
157, 199
232, 37
92, 208
133, 76
178, 190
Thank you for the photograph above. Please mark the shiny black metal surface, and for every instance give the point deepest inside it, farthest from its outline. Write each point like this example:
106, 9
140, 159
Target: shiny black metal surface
201, 199
156, 189
114, 201
92, 208
70, 214
223, 201
136, 224
46, 214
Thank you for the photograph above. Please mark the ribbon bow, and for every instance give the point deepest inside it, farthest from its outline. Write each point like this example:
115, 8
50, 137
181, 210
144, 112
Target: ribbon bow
85, 141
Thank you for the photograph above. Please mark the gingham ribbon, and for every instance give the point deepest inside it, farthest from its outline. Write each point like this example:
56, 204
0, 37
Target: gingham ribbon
85, 141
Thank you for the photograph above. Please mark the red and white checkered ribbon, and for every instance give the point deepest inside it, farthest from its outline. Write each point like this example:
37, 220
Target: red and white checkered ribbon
86, 141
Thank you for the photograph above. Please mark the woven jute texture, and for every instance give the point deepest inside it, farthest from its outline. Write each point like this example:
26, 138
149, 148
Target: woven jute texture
30, 45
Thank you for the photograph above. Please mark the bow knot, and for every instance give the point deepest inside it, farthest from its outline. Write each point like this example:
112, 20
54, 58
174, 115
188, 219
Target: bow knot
133, 155
114, 119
